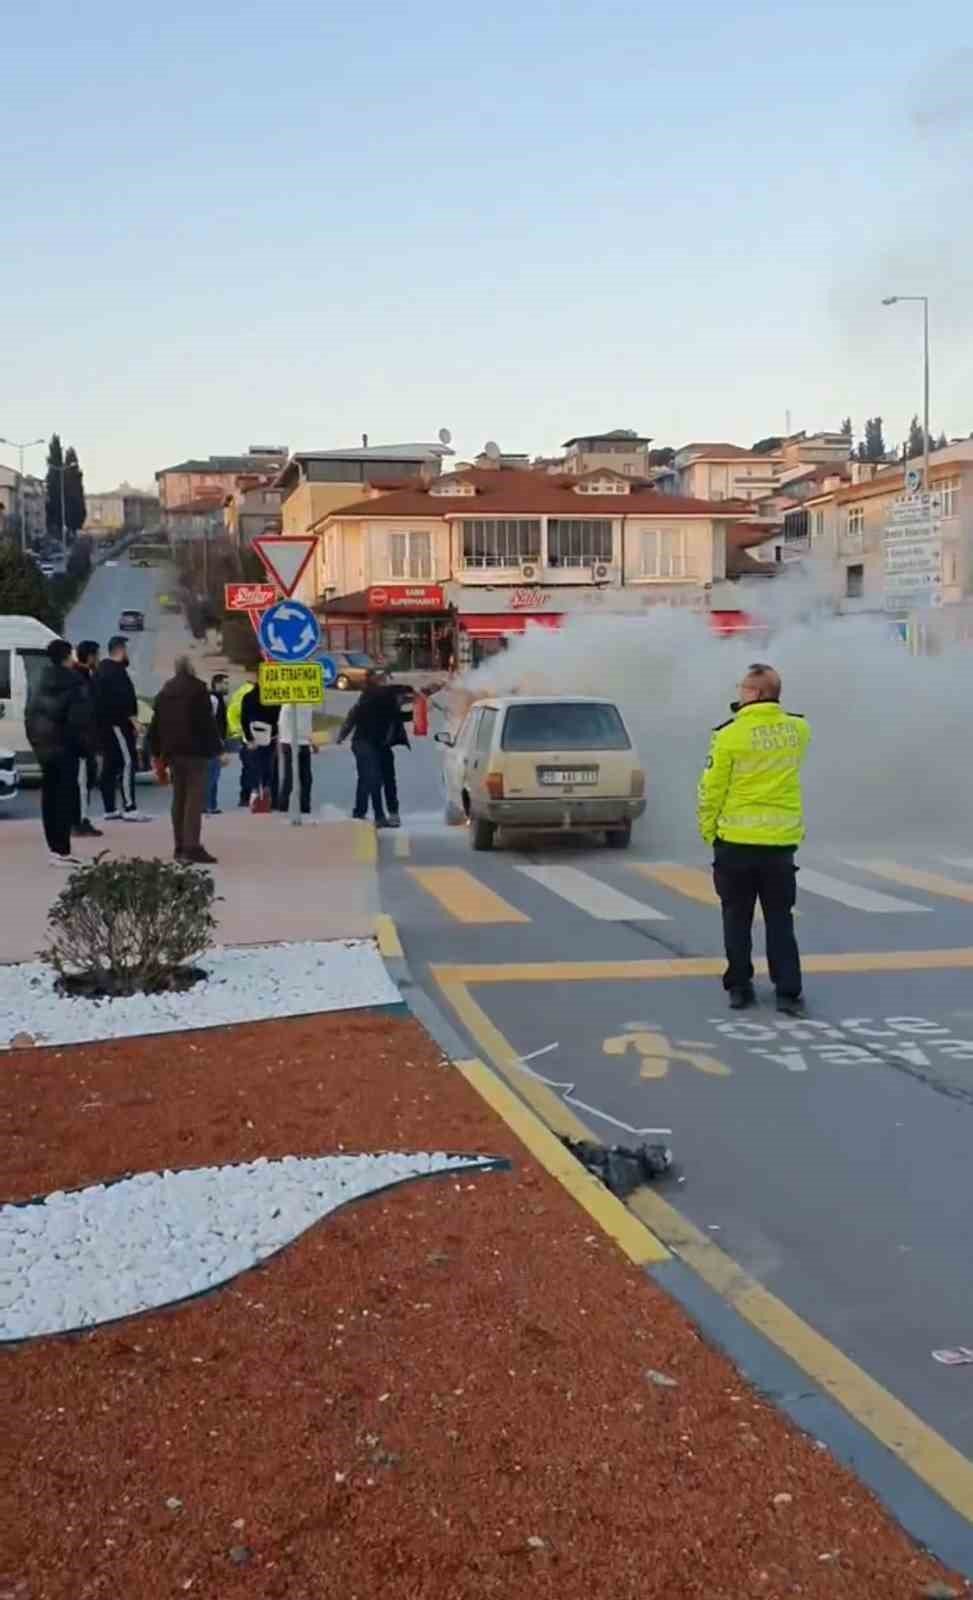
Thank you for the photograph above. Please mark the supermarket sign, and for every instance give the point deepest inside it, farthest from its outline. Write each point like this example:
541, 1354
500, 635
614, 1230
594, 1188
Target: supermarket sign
407, 597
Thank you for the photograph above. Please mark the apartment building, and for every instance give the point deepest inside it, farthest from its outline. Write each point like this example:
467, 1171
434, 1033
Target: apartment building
189, 481
476, 556
253, 508
23, 503
122, 510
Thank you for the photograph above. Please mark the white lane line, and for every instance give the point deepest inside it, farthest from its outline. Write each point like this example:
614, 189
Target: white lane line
966, 862
591, 895
853, 894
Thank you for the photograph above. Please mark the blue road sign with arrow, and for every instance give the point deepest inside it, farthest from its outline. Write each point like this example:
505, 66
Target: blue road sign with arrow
289, 631
330, 669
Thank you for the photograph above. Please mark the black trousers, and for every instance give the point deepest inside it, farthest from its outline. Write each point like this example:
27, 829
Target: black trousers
303, 777
59, 791
742, 875
368, 760
87, 784
119, 759
386, 761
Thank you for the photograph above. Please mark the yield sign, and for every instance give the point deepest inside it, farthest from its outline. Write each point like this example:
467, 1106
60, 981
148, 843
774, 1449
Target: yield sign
285, 559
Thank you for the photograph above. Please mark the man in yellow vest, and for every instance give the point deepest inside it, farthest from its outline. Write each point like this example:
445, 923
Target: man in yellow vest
750, 811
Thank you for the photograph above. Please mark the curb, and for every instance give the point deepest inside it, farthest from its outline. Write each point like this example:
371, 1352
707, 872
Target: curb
924, 1515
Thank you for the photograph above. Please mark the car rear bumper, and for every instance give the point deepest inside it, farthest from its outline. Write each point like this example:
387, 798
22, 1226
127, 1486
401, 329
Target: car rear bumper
567, 811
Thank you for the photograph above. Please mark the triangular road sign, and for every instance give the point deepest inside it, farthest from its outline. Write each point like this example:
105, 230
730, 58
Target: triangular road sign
285, 558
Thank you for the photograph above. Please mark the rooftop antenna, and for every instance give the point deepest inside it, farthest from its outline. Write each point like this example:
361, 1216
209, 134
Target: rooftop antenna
492, 450
364, 441
445, 437
787, 423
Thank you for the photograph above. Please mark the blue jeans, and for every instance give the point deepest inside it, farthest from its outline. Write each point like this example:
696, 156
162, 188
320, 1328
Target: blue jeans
368, 762
213, 785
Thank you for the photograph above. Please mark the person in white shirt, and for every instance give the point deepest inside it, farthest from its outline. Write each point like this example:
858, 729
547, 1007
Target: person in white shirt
294, 729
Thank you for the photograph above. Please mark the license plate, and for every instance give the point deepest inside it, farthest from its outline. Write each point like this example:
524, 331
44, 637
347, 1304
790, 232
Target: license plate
559, 775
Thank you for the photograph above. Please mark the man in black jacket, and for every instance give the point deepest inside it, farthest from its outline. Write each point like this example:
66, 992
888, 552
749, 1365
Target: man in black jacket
116, 710
85, 665
260, 723
60, 727
184, 736
376, 724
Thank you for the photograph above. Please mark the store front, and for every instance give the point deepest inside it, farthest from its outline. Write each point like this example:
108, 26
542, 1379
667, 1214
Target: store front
408, 627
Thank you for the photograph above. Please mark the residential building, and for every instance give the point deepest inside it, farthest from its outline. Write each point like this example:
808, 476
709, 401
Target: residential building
717, 472
23, 502
122, 510
201, 519
459, 563
253, 508
622, 450
182, 484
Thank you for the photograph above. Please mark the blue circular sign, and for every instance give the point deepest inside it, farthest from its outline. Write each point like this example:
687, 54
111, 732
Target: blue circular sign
289, 631
330, 669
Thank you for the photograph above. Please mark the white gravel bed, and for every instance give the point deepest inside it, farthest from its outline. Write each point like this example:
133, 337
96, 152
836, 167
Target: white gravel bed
248, 983
78, 1259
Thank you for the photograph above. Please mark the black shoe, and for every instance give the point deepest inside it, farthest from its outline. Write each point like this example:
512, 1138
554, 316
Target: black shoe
358, 816
87, 830
382, 822
791, 1005
200, 858
741, 999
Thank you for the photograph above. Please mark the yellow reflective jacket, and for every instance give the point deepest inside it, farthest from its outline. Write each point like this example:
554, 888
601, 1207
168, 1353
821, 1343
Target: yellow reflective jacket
234, 713
750, 788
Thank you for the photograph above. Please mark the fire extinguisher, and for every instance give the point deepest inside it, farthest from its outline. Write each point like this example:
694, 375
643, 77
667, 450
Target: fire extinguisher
420, 716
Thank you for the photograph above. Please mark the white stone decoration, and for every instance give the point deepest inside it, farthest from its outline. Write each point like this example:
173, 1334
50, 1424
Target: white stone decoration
244, 983
88, 1256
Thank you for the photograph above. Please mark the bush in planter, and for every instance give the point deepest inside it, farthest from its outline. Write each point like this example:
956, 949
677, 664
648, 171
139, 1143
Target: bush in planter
130, 927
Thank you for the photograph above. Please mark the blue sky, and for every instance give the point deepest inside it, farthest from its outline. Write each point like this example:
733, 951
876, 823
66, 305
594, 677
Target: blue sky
250, 224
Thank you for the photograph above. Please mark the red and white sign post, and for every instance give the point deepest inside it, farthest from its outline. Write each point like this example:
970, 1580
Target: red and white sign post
285, 561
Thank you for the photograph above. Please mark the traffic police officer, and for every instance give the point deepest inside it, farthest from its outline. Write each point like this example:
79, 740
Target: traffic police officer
750, 811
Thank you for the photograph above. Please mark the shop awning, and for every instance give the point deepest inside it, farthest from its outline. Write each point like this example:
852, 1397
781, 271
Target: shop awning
495, 625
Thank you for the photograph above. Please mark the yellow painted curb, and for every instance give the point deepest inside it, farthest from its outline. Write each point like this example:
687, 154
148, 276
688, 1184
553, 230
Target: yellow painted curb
387, 935
631, 1235
366, 844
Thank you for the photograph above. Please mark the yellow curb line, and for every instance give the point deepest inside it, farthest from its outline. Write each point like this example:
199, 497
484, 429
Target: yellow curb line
366, 844
389, 943
919, 1447
610, 1214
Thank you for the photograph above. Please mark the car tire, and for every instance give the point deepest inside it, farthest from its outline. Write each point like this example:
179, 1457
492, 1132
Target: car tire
619, 838
482, 833
342, 683
455, 815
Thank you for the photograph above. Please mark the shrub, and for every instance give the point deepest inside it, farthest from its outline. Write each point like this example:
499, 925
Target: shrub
130, 927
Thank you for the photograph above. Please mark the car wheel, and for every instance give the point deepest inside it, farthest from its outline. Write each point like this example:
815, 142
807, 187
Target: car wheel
342, 682
482, 833
455, 815
619, 838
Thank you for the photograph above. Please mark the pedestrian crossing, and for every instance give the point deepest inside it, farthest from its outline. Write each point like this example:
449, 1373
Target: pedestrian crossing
608, 890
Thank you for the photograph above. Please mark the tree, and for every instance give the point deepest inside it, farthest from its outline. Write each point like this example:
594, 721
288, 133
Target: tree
75, 509
942, 442
872, 447
23, 590
917, 440
847, 429
55, 463
763, 447
662, 458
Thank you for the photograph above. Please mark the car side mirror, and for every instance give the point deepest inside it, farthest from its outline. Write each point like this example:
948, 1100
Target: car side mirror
444, 738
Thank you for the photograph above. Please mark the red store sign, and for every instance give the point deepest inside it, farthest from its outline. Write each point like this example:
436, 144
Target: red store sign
407, 597
249, 596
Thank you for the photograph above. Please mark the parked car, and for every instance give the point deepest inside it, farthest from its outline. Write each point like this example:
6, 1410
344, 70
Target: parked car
543, 765
9, 777
352, 667
131, 622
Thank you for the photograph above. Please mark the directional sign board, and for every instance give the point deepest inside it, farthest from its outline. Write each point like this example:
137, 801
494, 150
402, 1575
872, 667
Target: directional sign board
291, 685
330, 669
289, 632
285, 559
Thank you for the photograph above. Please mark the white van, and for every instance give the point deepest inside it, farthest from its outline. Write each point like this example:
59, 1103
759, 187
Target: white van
23, 657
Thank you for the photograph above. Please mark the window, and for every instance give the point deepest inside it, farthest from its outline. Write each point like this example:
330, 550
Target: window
501, 542
410, 555
564, 725
817, 530
855, 582
950, 493
855, 524
664, 553
484, 733
578, 541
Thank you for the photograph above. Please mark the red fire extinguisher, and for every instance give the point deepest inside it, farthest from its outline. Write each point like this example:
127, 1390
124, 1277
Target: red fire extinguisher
420, 716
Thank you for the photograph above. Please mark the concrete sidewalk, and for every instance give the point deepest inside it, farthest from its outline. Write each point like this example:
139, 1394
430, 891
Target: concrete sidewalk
275, 882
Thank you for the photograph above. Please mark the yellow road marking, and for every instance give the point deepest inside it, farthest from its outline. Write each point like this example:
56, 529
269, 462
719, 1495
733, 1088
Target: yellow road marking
366, 844
702, 967
944, 1469
387, 936
931, 882
465, 897
614, 1218
693, 882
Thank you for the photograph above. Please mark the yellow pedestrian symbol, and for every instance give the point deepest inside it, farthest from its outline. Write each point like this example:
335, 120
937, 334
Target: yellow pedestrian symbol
658, 1052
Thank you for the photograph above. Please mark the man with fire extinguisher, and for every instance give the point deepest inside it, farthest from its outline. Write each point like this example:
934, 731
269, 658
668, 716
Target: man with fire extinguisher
377, 725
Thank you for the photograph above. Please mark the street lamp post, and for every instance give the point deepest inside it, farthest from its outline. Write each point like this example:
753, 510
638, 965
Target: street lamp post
20, 448
922, 300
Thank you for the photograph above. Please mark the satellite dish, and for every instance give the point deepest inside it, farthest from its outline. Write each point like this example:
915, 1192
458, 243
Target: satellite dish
445, 437
492, 450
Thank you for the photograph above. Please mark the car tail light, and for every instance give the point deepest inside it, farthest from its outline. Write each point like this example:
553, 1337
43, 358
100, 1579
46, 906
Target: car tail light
493, 784
637, 786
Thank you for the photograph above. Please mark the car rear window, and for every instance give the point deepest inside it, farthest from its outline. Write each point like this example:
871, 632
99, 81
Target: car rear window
356, 659
566, 726
131, 616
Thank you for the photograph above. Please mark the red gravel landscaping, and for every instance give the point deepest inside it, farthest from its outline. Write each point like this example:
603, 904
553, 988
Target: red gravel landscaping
443, 1391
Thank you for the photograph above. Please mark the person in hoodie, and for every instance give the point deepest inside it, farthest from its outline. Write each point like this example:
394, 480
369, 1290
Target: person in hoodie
61, 730
184, 737
219, 688
259, 724
85, 665
116, 711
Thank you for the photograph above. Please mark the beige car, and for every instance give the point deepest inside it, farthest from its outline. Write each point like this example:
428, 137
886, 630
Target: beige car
543, 764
